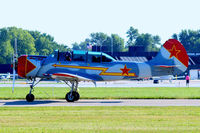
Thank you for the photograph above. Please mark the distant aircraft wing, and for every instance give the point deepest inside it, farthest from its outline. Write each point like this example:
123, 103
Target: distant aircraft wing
69, 76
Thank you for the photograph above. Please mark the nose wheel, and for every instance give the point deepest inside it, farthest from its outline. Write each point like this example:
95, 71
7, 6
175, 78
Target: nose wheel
30, 97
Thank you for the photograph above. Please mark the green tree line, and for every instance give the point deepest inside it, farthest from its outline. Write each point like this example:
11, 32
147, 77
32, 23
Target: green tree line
117, 44
28, 42
190, 39
37, 43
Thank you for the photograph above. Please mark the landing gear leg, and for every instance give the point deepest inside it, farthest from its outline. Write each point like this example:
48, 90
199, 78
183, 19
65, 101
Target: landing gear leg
73, 95
30, 97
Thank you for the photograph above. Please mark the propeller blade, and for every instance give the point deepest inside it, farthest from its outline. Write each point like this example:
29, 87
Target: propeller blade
13, 87
14, 64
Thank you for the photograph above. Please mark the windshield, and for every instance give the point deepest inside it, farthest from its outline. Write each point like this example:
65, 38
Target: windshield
83, 56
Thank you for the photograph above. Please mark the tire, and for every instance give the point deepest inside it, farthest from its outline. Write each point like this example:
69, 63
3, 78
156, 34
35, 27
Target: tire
77, 96
69, 97
30, 97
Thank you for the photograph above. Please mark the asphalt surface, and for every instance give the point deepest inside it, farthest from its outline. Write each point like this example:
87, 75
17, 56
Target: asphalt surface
119, 102
128, 102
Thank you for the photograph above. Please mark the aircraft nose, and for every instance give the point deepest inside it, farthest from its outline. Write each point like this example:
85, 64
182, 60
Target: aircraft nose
24, 66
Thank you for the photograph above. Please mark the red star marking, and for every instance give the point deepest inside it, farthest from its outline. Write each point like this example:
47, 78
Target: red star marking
125, 70
174, 52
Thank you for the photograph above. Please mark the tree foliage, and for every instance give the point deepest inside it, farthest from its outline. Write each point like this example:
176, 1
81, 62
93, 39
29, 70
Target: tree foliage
28, 42
34, 42
148, 41
132, 35
190, 39
114, 42
118, 43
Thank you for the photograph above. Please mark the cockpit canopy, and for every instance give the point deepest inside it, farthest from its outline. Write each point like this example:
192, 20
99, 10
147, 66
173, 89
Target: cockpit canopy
83, 56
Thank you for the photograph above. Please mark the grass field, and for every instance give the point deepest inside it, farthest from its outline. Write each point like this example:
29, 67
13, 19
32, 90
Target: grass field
99, 119
106, 93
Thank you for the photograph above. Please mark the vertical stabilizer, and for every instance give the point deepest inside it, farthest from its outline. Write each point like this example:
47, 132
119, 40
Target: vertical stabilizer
172, 56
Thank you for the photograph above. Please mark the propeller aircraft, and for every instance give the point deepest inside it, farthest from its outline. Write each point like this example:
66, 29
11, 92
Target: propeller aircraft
73, 67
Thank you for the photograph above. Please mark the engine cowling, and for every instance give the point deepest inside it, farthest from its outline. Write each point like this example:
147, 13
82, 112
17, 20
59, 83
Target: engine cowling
24, 66
29, 65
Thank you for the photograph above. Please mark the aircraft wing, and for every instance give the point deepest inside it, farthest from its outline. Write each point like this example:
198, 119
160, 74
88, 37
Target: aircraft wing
69, 76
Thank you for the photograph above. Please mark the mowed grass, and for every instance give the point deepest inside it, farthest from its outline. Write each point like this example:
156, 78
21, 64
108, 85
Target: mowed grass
105, 93
99, 119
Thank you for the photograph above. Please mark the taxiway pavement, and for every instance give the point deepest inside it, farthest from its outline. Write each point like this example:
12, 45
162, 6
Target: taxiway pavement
116, 102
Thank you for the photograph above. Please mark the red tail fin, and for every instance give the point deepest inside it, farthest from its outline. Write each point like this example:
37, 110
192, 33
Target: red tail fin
177, 50
173, 57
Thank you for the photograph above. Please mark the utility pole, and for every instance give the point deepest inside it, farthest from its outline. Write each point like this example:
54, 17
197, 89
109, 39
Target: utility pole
102, 43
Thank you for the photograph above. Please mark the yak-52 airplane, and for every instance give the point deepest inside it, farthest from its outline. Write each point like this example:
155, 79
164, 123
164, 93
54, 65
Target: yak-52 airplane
72, 67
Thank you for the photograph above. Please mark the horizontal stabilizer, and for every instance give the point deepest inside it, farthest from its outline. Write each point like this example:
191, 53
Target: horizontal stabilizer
167, 66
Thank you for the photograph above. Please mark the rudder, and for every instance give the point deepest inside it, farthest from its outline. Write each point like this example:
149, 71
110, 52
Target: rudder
172, 55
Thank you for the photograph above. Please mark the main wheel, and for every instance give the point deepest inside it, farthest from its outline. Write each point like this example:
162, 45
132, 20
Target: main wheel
76, 94
30, 97
70, 97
